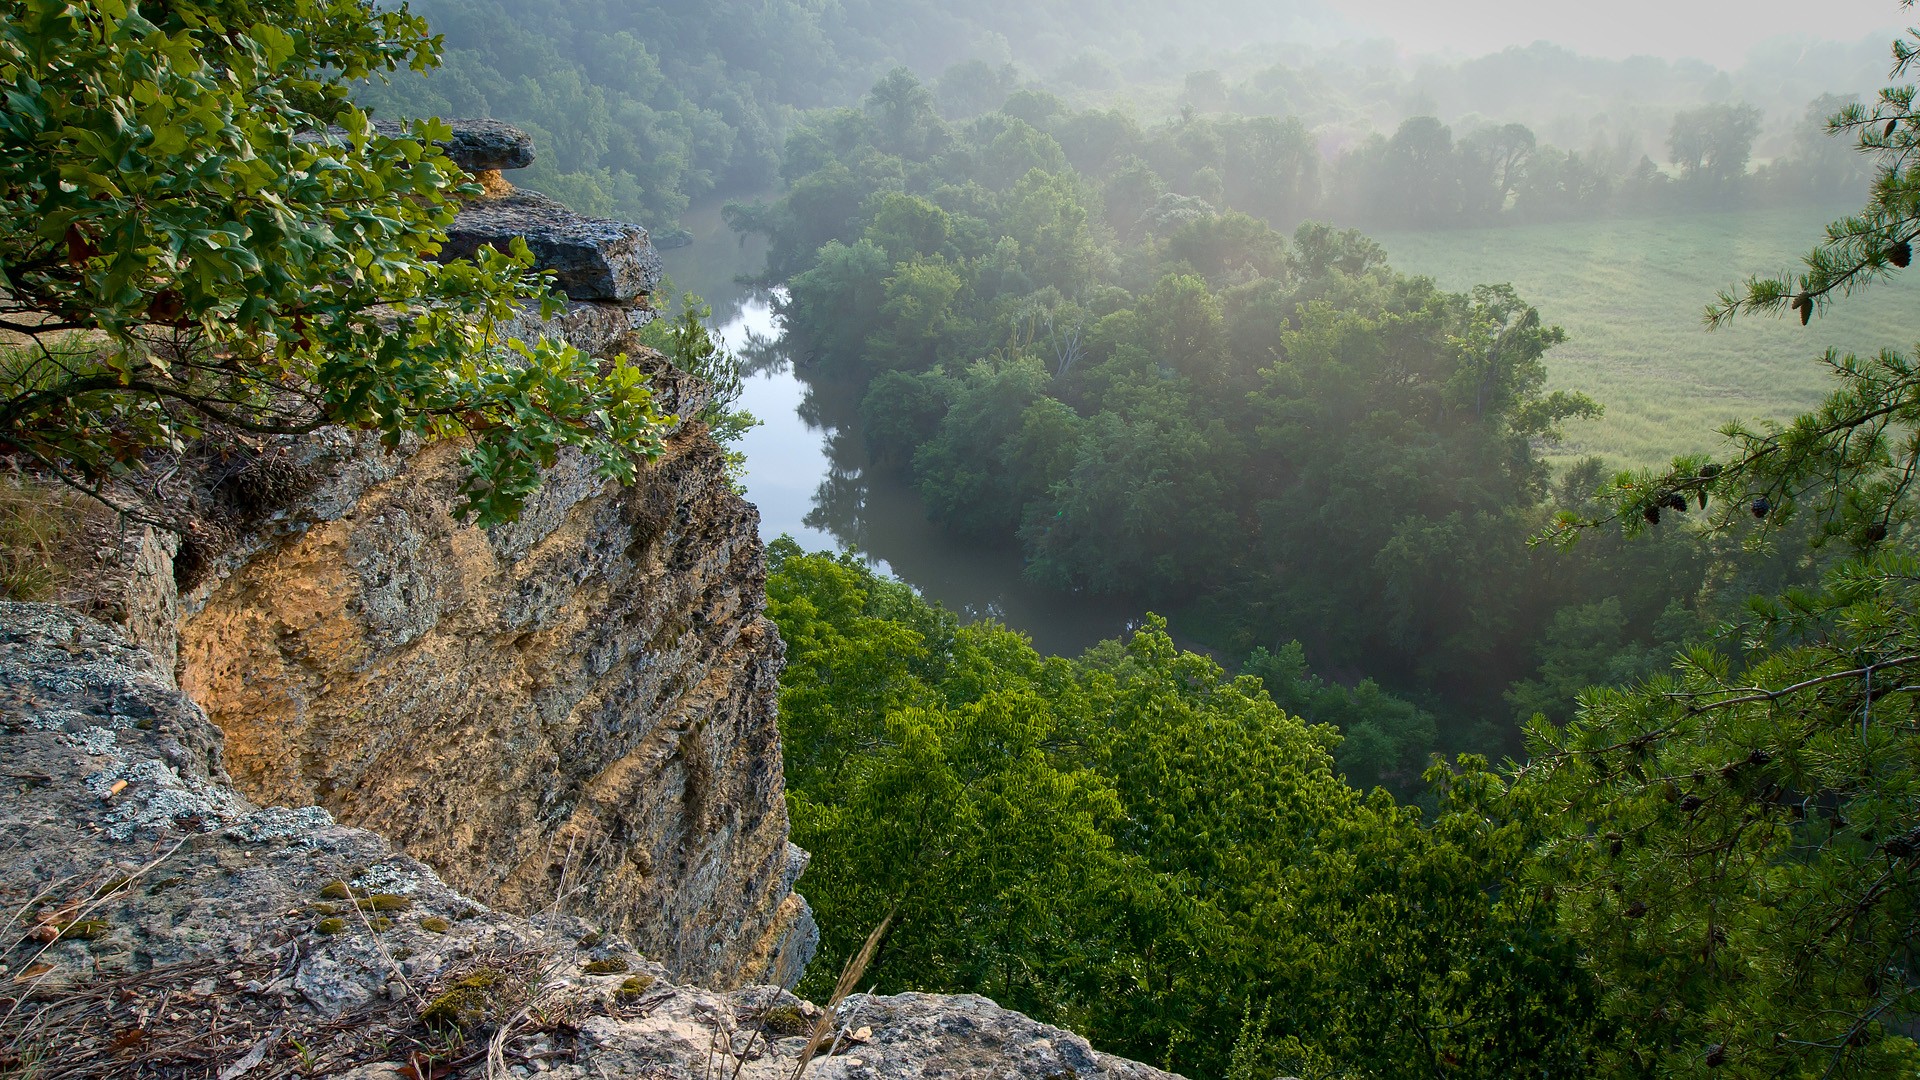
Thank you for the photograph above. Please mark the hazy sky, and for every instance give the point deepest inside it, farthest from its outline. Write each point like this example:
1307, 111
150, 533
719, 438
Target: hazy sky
1719, 31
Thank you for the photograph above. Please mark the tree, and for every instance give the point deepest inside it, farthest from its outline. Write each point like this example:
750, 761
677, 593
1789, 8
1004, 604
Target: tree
1821, 166
180, 249
1272, 169
1713, 143
841, 298
1492, 162
904, 111
1418, 181
1738, 848
972, 87
961, 471
1182, 324
689, 341
918, 312
1871, 245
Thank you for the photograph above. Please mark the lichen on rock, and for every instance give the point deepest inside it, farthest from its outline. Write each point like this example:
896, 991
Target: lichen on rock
216, 921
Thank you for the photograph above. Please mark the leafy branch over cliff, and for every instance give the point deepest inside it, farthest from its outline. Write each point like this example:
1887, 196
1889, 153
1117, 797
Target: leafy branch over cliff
198, 228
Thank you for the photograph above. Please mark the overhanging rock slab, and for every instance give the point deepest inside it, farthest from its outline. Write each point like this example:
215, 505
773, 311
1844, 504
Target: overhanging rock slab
476, 145
592, 258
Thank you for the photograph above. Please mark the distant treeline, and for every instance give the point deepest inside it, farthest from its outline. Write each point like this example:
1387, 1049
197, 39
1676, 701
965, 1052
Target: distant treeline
1423, 177
638, 108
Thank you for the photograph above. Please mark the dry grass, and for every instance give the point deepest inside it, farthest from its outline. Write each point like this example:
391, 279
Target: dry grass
41, 526
850, 977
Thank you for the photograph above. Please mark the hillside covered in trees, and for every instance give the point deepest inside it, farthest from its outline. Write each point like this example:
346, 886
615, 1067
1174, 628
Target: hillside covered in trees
641, 107
1086, 336
1278, 438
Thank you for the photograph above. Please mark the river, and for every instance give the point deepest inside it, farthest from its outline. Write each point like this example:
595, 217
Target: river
807, 471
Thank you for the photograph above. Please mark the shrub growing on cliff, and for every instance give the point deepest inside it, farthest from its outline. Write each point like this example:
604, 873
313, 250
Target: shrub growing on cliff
180, 246
697, 349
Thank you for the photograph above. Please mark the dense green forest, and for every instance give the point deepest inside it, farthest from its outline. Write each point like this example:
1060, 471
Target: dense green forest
639, 106
1319, 463
1277, 439
1154, 853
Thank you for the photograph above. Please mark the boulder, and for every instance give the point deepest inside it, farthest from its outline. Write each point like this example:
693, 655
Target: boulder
476, 145
592, 258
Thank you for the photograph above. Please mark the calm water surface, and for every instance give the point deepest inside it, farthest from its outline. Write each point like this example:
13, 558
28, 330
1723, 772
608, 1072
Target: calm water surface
807, 470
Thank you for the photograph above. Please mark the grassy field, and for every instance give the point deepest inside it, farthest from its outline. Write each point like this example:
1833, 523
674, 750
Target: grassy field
1630, 294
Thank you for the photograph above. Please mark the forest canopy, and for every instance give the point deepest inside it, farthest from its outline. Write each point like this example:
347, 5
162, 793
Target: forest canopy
643, 108
1705, 866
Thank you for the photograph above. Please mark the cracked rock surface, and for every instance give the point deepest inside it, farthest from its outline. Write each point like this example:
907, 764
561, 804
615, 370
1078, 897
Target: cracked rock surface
577, 705
476, 145
163, 925
591, 258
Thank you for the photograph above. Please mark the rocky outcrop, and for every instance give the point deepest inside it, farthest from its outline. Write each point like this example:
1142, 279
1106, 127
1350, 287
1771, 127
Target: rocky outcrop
462, 801
160, 923
575, 711
591, 258
476, 145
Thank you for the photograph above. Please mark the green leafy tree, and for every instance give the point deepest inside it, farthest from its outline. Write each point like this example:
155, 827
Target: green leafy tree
1149, 850
918, 313
899, 412
181, 246
1492, 162
965, 470
1737, 842
907, 227
1713, 143
1384, 739
903, 110
839, 300
1183, 326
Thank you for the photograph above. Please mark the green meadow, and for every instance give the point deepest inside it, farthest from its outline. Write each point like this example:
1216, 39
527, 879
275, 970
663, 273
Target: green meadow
1630, 293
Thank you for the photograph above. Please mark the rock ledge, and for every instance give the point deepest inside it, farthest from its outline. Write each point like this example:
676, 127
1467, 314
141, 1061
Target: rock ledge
167, 926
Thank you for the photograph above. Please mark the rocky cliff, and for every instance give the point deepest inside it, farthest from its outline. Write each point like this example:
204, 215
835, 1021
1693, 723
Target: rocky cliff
162, 924
338, 782
575, 711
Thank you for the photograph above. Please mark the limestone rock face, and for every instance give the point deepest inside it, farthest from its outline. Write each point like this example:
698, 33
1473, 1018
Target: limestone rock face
160, 922
592, 258
575, 711
595, 327
477, 145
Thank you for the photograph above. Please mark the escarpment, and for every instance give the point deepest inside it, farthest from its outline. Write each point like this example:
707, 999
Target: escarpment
338, 784
573, 712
